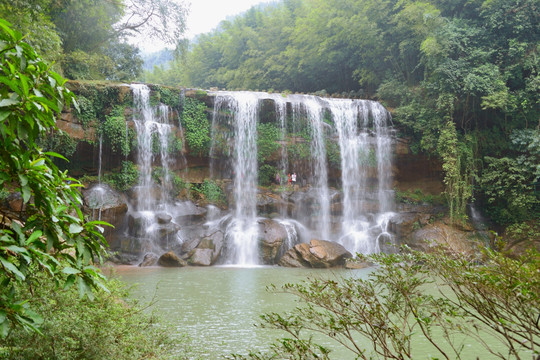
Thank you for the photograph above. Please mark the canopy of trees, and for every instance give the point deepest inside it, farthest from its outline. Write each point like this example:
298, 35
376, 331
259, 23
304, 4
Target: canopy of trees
460, 76
87, 38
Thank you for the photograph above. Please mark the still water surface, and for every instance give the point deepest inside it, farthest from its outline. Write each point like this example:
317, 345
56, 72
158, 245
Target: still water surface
218, 307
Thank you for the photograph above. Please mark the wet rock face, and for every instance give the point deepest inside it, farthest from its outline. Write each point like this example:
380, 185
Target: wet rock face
201, 257
439, 234
170, 259
149, 259
204, 249
316, 254
102, 202
272, 235
102, 197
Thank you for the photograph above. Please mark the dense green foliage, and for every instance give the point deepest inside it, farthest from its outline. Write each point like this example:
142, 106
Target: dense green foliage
196, 126
125, 178
461, 77
115, 132
49, 234
109, 327
492, 300
87, 39
268, 136
211, 192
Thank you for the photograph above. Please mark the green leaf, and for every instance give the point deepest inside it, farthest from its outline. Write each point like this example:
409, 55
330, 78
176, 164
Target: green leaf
35, 235
9, 266
4, 115
69, 281
84, 289
75, 228
70, 270
25, 190
23, 179
4, 326
53, 154
9, 102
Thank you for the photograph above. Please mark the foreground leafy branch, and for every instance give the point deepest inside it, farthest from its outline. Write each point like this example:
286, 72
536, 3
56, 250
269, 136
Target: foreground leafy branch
437, 297
48, 233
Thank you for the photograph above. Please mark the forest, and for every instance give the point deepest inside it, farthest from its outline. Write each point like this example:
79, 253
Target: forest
460, 78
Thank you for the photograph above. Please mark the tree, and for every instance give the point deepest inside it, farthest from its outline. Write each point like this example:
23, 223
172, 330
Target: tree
48, 233
435, 296
29, 17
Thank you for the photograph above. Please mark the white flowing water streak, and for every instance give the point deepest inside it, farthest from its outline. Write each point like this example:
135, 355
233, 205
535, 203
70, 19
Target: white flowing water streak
153, 134
384, 156
314, 111
351, 118
281, 111
151, 124
354, 150
243, 229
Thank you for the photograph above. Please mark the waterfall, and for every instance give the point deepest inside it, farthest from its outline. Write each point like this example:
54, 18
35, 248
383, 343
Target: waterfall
314, 111
360, 129
151, 213
243, 229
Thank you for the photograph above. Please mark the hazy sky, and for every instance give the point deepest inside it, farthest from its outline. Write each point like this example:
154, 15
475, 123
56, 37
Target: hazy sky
205, 15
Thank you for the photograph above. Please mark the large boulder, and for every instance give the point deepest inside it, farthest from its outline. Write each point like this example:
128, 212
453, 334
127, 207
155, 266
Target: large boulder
272, 235
316, 254
102, 201
170, 259
150, 259
201, 257
439, 234
404, 224
206, 250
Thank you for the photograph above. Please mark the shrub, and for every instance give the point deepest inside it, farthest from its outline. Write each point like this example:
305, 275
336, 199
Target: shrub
197, 128
486, 297
115, 134
125, 179
212, 192
267, 174
51, 234
109, 327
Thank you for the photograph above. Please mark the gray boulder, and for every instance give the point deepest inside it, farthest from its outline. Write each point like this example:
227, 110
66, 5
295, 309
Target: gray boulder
272, 235
201, 257
150, 259
170, 259
439, 235
316, 254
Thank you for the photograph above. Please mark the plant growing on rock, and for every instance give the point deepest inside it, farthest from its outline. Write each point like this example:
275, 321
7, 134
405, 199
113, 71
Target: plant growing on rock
115, 134
268, 136
125, 178
197, 128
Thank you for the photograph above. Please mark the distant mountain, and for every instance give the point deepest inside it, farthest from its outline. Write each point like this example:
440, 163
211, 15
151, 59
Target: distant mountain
158, 58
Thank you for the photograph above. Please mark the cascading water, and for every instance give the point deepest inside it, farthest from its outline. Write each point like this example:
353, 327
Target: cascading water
242, 231
357, 148
152, 210
314, 112
365, 144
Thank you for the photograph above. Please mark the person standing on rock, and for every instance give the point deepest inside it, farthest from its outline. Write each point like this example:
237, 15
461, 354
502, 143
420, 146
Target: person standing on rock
293, 178
290, 178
